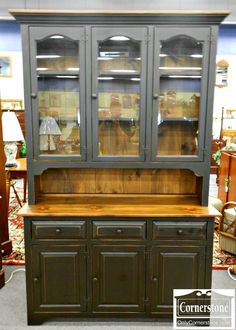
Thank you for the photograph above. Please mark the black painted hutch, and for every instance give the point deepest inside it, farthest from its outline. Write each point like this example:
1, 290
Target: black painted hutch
118, 121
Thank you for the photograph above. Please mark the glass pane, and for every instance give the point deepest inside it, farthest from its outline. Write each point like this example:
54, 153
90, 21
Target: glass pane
58, 95
119, 67
179, 101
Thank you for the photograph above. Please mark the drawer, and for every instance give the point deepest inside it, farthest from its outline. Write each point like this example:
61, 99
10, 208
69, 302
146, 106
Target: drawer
119, 229
179, 230
58, 229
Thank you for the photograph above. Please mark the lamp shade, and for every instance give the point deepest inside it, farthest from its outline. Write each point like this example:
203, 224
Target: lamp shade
49, 127
11, 129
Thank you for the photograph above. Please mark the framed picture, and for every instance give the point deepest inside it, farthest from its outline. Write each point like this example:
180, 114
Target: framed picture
11, 104
5, 66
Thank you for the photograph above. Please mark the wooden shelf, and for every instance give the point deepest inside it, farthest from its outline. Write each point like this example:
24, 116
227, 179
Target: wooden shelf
119, 206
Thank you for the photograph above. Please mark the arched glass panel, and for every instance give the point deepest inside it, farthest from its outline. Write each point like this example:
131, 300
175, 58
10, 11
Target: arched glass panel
180, 67
58, 70
119, 75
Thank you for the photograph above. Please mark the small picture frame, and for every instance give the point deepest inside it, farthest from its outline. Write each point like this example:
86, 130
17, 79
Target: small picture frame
5, 67
11, 104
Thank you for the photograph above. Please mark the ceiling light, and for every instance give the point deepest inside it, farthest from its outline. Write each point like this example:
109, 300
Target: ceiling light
48, 56
106, 78
73, 69
196, 55
56, 36
123, 71
70, 77
179, 76
119, 38
105, 58
180, 68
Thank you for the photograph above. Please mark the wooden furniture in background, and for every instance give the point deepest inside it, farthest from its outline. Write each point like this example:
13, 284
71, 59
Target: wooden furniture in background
3, 204
227, 228
6, 244
216, 144
227, 176
2, 275
17, 172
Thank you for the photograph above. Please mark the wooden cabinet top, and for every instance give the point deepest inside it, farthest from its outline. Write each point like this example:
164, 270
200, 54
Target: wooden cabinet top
119, 206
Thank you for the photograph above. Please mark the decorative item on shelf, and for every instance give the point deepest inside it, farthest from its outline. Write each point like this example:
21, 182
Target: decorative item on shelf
47, 130
23, 150
11, 134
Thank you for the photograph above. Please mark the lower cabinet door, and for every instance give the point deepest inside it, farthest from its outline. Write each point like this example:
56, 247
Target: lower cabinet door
174, 267
58, 281
118, 278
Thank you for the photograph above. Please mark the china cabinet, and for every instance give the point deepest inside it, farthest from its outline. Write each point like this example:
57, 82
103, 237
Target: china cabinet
119, 107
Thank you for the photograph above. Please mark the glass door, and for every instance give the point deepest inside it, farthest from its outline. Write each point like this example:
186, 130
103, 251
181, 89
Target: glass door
118, 93
179, 93
58, 62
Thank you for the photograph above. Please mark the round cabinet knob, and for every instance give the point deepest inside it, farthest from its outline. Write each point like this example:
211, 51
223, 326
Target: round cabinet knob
94, 96
155, 96
33, 95
58, 230
154, 279
119, 231
36, 279
95, 278
180, 231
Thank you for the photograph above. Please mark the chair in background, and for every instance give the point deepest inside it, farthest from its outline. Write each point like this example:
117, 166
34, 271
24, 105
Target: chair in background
227, 228
12, 185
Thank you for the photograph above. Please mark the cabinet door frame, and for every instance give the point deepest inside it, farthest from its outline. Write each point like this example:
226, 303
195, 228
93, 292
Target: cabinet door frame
97, 279
37, 275
200, 34
157, 272
100, 34
77, 34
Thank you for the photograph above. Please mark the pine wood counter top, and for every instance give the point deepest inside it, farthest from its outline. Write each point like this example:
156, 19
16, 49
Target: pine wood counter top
119, 206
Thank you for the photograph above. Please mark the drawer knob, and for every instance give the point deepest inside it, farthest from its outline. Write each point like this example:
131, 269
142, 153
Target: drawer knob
154, 279
58, 230
36, 279
34, 95
119, 231
180, 231
95, 278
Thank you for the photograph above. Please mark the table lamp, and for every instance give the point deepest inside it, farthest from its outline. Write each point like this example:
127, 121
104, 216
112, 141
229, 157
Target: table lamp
47, 130
12, 133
